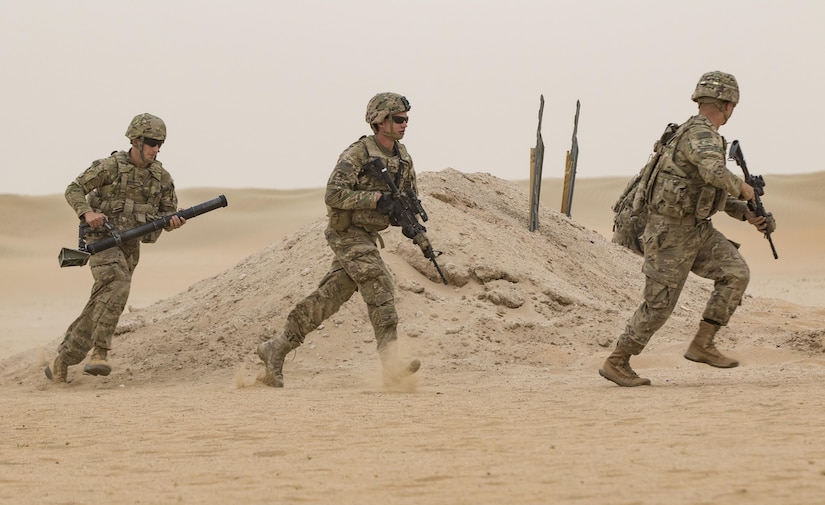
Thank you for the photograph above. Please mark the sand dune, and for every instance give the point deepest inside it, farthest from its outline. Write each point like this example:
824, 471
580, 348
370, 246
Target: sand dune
508, 406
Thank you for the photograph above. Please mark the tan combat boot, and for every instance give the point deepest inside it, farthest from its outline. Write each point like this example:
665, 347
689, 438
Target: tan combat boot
272, 353
703, 350
57, 371
97, 363
616, 368
394, 371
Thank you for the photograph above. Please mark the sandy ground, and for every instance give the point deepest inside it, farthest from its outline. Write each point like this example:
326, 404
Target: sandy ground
508, 405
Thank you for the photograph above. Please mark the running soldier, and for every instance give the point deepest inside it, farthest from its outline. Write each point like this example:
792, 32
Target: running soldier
691, 184
125, 190
358, 206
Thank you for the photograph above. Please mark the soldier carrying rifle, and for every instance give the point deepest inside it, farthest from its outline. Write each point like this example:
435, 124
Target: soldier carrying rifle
360, 203
690, 183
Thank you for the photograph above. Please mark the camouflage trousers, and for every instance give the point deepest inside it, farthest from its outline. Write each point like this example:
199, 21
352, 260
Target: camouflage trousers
112, 270
672, 251
357, 266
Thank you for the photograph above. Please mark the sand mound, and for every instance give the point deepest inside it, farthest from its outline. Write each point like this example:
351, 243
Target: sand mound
547, 299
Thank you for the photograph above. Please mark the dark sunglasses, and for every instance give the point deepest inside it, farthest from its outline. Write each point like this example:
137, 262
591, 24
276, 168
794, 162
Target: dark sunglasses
400, 119
152, 142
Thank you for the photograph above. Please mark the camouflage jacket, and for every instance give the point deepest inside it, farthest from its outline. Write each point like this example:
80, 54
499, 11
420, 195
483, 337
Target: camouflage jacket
692, 179
128, 195
352, 192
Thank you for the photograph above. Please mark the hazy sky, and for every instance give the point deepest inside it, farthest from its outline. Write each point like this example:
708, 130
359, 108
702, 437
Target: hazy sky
259, 93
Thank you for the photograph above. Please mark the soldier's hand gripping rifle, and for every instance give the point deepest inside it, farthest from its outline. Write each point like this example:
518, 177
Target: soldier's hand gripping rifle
80, 256
405, 208
758, 184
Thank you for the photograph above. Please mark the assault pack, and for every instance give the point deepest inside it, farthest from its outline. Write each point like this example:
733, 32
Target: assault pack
630, 210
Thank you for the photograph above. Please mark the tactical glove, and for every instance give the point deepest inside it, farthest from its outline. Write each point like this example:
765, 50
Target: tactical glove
385, 205
771, 223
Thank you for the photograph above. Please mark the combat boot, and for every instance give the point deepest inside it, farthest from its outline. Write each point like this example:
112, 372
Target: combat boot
57, 371
393, 370
97, 364
272, 353
616, 368
703, 350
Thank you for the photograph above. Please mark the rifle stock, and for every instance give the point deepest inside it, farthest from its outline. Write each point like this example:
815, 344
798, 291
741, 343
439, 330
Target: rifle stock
80, 256
758, 184
406, 207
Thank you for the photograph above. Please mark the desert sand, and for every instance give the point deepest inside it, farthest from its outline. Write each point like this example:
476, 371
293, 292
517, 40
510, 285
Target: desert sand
507, 408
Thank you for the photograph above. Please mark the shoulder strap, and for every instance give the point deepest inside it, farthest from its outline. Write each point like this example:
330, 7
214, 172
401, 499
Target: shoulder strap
671, 136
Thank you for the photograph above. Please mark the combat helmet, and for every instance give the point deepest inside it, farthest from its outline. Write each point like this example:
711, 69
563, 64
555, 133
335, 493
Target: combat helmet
385, 104
146, 125
716, 86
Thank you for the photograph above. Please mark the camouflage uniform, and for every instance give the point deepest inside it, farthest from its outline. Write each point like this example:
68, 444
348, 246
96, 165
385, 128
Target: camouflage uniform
352, 195
129, 196
690, 183
352, 235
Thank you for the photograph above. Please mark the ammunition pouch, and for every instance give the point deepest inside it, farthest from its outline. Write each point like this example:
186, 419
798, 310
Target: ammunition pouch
339, 220
707, 203
151, 238
677, 197
671, 196
370, 219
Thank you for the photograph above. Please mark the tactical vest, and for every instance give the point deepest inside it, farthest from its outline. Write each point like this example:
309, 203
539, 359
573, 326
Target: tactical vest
679, 190
400, 169
133, 197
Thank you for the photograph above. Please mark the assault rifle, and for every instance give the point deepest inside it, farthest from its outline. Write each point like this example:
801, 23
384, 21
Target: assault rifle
405, 208
80, 256
758, 184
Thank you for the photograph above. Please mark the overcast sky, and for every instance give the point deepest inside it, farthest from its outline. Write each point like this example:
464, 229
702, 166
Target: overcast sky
267, 94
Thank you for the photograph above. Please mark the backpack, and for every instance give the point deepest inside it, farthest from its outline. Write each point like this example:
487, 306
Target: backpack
630, 210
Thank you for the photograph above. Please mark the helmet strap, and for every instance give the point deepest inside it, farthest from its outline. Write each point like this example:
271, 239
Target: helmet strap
393, 133
723, 107
139, 148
